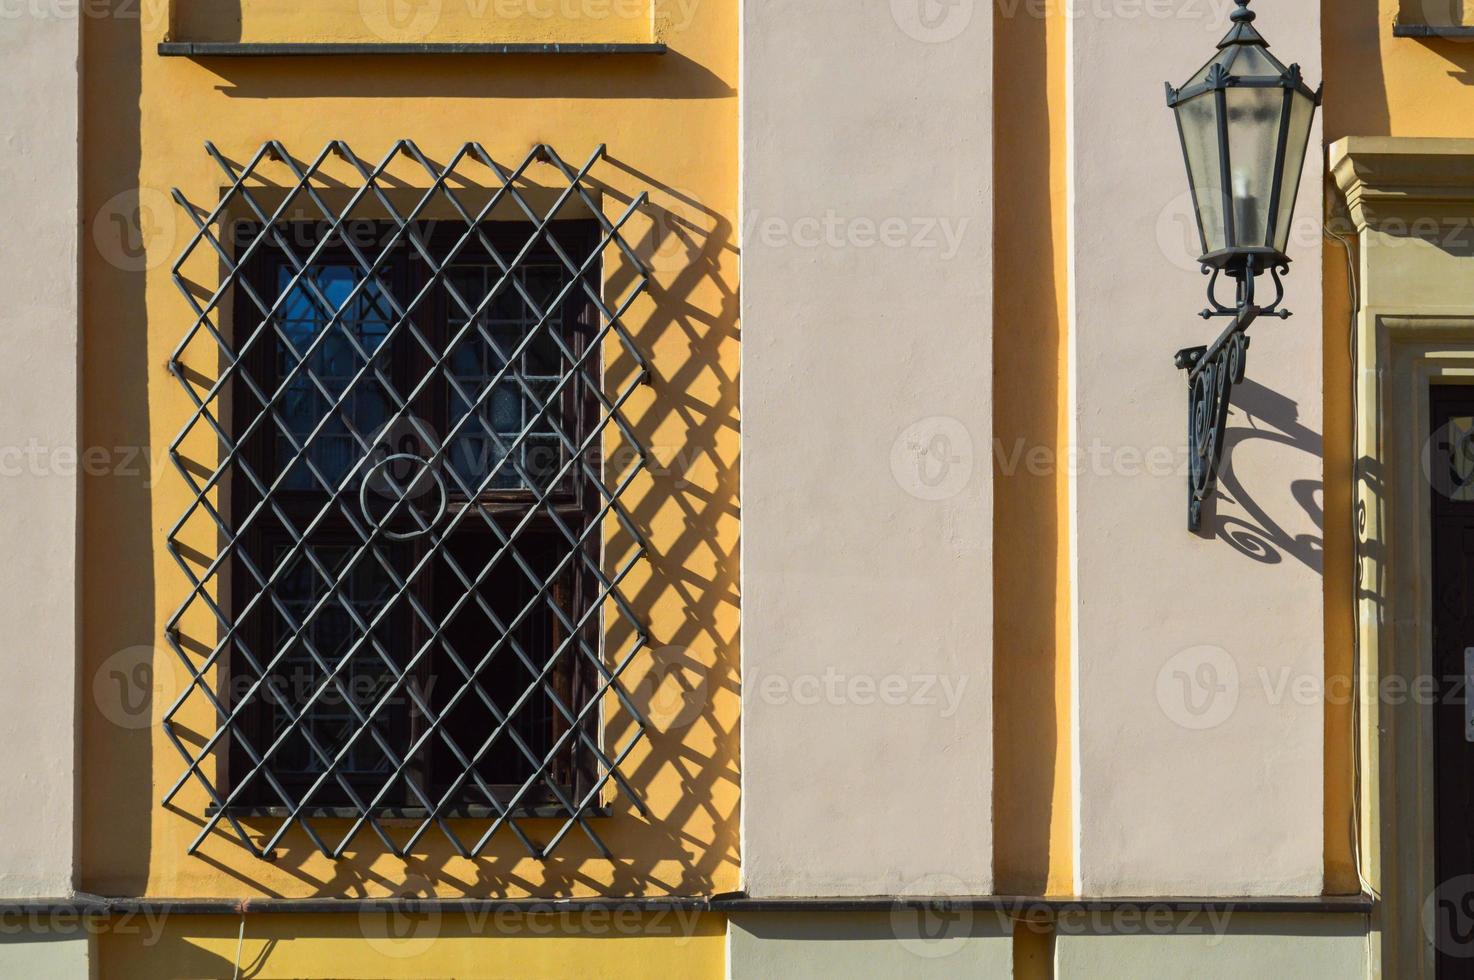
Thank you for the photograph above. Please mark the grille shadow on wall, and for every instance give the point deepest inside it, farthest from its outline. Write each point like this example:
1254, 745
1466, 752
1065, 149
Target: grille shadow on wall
406, 536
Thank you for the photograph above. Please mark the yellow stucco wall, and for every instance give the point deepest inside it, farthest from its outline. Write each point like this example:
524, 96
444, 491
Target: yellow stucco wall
671, 127
375, 947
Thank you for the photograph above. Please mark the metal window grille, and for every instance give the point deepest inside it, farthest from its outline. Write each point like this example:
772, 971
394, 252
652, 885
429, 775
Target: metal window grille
356, 546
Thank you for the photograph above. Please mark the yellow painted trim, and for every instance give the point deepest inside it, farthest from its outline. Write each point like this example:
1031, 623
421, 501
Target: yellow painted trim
1340, 613
1033, 950
1062, 835
1033, 832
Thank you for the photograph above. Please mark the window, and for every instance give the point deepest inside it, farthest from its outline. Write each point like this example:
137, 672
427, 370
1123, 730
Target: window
411, 504
490, 600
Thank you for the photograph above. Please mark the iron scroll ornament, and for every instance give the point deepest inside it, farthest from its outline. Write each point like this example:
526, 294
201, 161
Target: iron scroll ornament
1212, 373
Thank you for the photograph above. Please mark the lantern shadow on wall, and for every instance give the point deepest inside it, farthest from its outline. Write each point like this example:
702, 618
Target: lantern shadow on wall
1269, 528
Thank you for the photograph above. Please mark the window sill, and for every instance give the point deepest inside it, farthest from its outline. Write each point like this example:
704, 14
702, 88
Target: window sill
1431, 31
548, 811
240, 49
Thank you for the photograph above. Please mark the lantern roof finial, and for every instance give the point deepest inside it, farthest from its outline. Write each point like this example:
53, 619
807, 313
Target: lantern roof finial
1243, 30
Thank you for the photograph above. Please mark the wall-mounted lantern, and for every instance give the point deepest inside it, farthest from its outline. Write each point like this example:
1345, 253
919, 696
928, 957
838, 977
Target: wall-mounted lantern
1245, 121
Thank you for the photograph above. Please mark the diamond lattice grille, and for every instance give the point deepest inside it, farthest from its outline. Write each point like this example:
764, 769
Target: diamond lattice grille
400, 599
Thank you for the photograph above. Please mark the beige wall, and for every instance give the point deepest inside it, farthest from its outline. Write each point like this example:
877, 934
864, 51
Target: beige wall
1286, 947
39, 494
899, 943
1199, 753
867, 506
67, 955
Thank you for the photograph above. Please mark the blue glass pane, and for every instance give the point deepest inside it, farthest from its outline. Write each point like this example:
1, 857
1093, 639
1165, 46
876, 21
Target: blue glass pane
347, 332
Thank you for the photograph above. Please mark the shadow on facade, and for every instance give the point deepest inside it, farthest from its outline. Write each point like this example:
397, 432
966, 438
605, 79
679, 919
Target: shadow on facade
533, 76
1031, 809
1265, 416
123, 657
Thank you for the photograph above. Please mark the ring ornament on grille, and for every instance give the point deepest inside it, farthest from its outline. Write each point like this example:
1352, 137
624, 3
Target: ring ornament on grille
403, 496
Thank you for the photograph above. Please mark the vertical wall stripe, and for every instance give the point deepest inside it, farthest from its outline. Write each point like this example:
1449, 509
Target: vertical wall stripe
1033, 838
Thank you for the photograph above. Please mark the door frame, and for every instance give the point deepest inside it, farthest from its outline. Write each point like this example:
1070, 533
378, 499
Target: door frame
1403, 355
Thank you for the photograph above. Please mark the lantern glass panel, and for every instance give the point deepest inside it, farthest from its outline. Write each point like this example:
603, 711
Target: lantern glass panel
1302, 113
1197, 119
1221, 58
1253, 60
1253, 144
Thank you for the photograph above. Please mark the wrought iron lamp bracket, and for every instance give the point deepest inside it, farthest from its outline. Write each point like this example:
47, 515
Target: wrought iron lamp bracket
1215, 308
1214, 370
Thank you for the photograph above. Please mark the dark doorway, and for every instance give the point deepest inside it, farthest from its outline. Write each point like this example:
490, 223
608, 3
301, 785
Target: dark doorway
1450, 470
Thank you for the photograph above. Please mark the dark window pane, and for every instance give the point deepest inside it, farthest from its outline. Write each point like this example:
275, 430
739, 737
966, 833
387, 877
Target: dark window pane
484, 649
519, 401
330, 633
